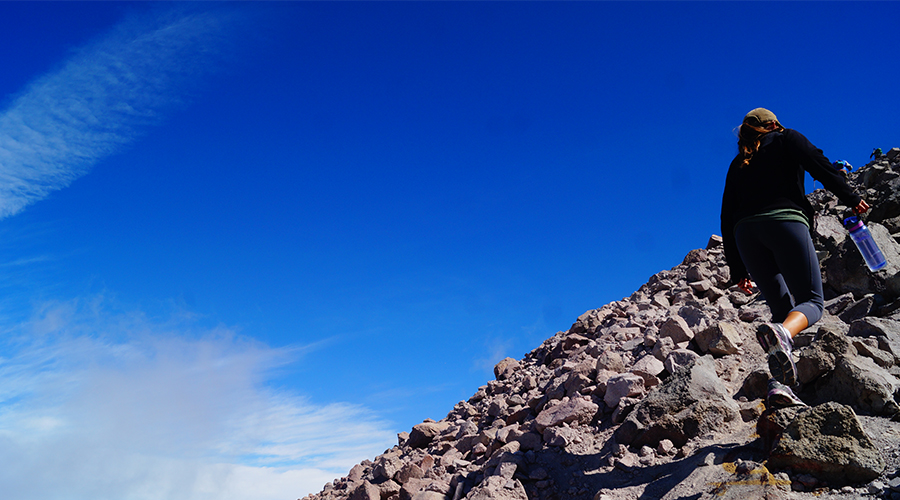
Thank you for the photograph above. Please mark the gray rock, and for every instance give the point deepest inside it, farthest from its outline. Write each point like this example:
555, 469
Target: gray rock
429, 495
612, 361
693, 401
868, 347
845, 270
560, 436
386, 467
591, 320
886, 330
366, 491
648, 366
839, 303
530, 441
719, 339
409, 471
422, 434
829, 443
621, 386
755, 385
859, 309
498, 488
662, 348
505, 368
857, 381
577, 410
679, 358
677, 329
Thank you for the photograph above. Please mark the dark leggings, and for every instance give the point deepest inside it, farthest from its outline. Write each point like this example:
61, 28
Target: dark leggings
781, 259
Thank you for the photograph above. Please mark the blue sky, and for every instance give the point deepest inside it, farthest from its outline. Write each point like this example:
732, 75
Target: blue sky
243, 245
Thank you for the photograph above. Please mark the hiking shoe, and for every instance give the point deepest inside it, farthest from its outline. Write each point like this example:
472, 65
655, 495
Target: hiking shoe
768, 335
781, 396
776, 339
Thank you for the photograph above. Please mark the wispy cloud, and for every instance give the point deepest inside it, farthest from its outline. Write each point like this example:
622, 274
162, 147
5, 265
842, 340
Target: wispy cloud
99, 99
95, 405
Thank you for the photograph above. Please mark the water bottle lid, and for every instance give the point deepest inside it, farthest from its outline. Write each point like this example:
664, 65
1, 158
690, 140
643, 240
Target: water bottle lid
852, 223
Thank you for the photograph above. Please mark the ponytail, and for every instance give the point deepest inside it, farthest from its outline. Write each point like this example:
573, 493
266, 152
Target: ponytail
749, 137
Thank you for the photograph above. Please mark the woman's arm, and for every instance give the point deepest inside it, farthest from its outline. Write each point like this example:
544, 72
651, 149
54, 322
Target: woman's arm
814, 161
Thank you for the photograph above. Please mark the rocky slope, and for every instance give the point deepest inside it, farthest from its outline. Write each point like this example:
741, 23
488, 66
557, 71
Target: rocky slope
660, 395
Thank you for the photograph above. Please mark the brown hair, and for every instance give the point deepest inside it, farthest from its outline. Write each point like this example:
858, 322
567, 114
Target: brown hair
749, 137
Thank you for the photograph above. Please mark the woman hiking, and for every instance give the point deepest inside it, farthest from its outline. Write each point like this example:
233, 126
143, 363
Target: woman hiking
766, 222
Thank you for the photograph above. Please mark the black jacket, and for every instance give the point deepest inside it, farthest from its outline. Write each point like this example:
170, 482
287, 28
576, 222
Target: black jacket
774, 179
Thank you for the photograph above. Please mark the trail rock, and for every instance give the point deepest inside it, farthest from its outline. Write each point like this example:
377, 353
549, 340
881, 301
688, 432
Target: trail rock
621, 386
845, 271
692, 402
679, 358
648, 367
887, 332
578, 410
505, 368
366, 491
828, 442
677, 329
859, 382
719, 339
422, 434
498, 488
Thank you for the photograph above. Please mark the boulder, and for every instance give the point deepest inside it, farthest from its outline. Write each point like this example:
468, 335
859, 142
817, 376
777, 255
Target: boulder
498, 488
579, 410
422, 434
590, 320
648, 367
386, 467
720, 339
679, 358
829, 443
887, 331
693, 401
621, 386
611, 361
846, 272
505, 368
859, 382
366, 491
677, 329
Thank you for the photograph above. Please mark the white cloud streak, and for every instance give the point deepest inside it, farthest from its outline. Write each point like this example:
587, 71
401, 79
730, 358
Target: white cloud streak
97, 101
98, 406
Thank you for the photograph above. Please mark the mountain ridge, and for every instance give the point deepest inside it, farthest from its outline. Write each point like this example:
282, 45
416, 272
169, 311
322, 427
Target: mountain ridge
660, 395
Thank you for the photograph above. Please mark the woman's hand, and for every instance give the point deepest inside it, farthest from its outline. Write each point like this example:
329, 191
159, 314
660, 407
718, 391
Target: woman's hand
746, 286
862, 208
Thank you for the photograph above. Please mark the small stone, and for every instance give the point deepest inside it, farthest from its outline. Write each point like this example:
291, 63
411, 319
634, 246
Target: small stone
894, 484
875, 487
538, 474
665, 447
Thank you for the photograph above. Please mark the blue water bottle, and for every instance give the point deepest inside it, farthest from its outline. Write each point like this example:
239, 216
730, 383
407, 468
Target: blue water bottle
864, 242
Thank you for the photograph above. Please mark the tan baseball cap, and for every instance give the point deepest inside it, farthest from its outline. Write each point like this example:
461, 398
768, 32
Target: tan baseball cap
759, 117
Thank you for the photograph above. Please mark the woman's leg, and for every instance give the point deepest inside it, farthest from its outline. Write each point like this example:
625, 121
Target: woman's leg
781, 258
795, 323
783, 255
753, 245
801, 273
